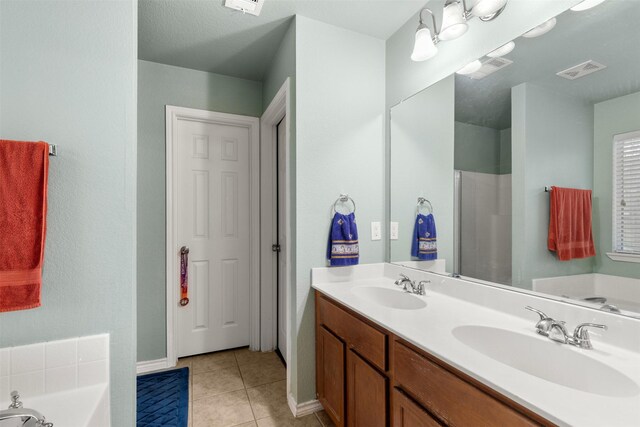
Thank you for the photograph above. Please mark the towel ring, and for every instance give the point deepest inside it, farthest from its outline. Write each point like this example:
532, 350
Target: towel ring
422, 202
344, 198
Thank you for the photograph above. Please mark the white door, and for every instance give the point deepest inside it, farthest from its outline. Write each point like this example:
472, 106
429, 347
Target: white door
281, 267
213, 221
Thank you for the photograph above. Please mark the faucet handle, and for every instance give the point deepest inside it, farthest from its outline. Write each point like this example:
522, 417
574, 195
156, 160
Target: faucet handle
581, 334
15, 400
545, 323
540, 313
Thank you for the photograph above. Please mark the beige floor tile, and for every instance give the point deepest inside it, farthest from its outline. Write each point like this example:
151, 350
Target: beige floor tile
216, 382
223, 410
269, 400
247, 357
263, 372
212, 361
324, 419
184, 362
307, 421
249, 424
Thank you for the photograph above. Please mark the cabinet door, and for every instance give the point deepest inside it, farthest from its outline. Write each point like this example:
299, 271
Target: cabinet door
408, 414
330, 374
366, 394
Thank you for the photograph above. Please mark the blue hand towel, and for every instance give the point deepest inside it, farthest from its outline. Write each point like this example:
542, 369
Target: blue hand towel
343, 246
424, 244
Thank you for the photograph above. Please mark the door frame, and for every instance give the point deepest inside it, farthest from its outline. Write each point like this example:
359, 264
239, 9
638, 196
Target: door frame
278, 109
172, 115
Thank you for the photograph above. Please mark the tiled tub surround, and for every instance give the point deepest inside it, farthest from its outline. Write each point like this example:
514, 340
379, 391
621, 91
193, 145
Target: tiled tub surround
67, 380
452, 302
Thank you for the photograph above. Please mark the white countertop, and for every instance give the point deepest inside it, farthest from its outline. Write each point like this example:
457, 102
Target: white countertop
430, 328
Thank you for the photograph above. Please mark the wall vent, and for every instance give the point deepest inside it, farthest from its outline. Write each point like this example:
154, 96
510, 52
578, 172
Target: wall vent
581, 70
490, 66
246, 6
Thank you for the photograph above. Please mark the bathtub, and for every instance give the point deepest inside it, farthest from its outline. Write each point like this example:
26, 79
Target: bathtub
623, 292
81, 407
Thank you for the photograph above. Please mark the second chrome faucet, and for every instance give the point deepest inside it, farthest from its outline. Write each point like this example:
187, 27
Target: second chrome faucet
410, 286
556, 330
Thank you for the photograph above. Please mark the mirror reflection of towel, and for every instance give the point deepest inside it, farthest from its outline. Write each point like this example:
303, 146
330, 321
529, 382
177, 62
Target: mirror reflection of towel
570, 235
343, 248
424, 245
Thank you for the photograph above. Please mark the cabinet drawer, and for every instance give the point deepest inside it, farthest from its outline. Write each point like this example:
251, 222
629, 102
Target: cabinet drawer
453, 400
364, 339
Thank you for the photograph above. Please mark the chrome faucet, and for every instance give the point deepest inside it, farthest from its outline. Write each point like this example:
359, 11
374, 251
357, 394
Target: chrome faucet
556, 330
410, 286
28, 417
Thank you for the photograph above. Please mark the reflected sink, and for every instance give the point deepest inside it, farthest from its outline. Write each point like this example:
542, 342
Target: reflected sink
545, 359
390, 298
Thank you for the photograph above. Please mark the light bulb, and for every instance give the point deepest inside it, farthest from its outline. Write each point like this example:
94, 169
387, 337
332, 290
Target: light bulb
423, 48
453, 22
502, 50
541, 29
470, 68
586, 4
487, 7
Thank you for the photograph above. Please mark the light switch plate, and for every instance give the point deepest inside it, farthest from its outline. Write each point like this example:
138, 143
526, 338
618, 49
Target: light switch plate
376, 231
393, 231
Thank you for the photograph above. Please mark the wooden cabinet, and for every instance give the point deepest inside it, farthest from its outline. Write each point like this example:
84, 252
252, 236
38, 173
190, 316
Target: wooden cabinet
367, 377
406, 413
330, 353
366, 393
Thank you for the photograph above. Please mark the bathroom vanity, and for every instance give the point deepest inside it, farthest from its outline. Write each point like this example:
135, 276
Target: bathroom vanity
463, 355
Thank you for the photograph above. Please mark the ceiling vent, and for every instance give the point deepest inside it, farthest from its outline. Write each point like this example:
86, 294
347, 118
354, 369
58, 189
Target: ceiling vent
581, 70
490, 66
245, 6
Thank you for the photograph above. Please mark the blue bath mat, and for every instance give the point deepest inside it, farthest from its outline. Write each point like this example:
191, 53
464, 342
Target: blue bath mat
163, 399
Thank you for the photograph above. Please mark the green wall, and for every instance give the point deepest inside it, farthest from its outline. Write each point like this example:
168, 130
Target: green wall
619, 115
282, 66
160, 85
478, 149
422, 129
68, 76
339, 149
552, 145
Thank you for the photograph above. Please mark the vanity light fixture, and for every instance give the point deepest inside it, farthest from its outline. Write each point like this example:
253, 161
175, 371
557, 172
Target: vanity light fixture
424, 46
454, 24
454, 20
470, 68
502, 50
488, 8
541, 29
586, 4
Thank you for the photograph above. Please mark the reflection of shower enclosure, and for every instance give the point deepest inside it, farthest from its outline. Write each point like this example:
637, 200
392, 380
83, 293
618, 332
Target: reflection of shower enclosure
483, 226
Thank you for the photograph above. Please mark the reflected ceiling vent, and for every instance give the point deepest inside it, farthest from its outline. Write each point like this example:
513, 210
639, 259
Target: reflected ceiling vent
245, 6
581, 70
490, 66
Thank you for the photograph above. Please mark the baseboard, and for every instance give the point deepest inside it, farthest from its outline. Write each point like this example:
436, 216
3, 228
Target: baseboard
152, 365
302, 409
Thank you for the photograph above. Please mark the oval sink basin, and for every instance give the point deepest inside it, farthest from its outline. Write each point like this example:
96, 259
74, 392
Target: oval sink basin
390, 298
548, 360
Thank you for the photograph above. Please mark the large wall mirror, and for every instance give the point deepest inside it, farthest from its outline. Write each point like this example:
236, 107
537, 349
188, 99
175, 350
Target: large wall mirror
474, 154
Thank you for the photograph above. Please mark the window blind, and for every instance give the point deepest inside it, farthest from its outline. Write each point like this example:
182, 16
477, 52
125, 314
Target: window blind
626, 193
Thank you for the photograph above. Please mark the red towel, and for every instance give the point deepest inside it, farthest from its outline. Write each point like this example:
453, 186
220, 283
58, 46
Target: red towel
24, 169
570, 234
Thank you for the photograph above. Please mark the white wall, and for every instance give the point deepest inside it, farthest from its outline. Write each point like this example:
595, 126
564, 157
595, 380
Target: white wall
68, 76
339, 149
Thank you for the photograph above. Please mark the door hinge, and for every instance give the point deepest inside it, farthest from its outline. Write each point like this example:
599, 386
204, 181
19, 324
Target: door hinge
275, 248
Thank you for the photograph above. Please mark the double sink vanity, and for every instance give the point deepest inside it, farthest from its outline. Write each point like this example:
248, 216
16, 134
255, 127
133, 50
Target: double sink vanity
452, 352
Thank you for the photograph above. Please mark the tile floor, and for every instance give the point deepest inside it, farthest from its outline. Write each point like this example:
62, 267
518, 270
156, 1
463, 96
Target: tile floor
241, 388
